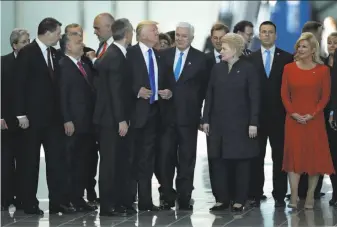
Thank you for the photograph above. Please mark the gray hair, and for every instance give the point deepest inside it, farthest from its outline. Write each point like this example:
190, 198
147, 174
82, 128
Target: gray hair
16, 35
120, 28
186, 25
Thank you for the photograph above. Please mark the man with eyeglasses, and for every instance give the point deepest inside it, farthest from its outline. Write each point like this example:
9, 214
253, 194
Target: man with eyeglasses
245, 29
11, 134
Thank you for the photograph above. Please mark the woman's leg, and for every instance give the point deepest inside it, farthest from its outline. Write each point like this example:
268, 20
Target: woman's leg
312, 183
294, 179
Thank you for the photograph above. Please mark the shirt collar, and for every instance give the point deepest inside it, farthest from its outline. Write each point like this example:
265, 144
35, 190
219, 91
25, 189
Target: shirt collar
272, 50
143, 47
73, 59
110, 41
42, 46
185, 51
216, 53
15, 55
122, 48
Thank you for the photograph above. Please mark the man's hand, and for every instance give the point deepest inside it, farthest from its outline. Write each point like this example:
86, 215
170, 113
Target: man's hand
333, 123
205, 128
69, 128
3, 124
252, 131
91, 55
300, 119
144, 93
123, 128
165, 94
23, 122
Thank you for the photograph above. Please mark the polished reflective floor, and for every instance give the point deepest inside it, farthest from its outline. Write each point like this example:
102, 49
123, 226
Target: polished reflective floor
266, 215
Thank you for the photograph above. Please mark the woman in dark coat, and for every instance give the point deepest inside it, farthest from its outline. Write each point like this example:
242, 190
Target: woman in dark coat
230, 120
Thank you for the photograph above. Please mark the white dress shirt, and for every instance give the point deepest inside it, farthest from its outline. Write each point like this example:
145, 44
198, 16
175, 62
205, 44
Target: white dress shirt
122, 48
74, 60
145, 52
264, 55
216, 55
44, 51
176, 58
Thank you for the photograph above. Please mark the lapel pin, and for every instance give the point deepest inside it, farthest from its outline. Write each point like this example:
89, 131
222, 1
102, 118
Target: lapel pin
238, 71
189, 63
277, 54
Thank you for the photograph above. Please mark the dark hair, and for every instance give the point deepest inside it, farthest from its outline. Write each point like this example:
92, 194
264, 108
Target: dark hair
172, 35
166, 37
267, 23
63, 42
218, 27
311, 26
119, 28
48, 24
240, 26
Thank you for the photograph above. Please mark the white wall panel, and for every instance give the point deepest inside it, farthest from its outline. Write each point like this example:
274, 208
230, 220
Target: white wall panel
7, 24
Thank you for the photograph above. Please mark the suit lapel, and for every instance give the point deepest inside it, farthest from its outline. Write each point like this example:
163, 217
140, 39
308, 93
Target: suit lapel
142, 64
260, 62
276, 59
188, 63
41, 58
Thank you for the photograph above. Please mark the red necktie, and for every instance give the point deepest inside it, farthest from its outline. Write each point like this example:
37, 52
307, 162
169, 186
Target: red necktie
103, 50
80, 67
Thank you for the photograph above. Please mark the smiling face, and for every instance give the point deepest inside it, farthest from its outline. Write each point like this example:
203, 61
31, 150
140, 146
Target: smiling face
304, 50
183, 38
216, 39
332, 44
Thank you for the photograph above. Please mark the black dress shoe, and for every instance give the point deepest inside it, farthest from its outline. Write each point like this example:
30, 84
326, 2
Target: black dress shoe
33, 210
280, 203
61, 208
263, 197
238, 209
85, 207
108, 213
219, 208
167, 204
333, 202
149, 208
255, 203
185, 206
130, 210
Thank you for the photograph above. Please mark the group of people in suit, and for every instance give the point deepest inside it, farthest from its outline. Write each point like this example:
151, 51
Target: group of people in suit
141, 107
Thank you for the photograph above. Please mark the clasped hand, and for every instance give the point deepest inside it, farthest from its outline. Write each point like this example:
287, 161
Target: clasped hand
302, 119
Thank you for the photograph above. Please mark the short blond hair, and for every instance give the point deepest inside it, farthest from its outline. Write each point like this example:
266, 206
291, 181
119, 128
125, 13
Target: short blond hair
234, 41
141, 25
308, 36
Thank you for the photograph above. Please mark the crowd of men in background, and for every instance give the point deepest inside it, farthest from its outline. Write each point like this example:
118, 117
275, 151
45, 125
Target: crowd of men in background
137, 107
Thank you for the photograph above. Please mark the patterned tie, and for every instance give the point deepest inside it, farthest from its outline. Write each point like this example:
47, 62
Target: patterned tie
178, 66
151, 77
267, 63
105, 45
80, 67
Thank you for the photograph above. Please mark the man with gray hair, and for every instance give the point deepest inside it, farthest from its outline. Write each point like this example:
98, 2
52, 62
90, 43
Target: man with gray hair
187, 67
11, 134
111, 115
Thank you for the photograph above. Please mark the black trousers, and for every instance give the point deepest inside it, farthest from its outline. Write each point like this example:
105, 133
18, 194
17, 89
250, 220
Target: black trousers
275, 133
114, 169
53, 140
332, 135
78, 148
225, 170
11, 165
178, 149
144, 154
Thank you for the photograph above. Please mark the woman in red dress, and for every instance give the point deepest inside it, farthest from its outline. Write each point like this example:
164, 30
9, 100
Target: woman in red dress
305, 92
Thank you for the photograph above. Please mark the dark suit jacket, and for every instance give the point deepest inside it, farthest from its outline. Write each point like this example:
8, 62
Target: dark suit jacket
232, 105
37, 94
8, 65
271, 102
333, 73
139, 77
189, 91
77, 95
112, 93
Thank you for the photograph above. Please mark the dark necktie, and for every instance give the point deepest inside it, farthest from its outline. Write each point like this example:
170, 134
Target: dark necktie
50, 66
220, 57
151, 77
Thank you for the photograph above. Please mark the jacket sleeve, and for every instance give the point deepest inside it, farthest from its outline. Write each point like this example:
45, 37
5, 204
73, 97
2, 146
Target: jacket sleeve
254, 91
286, 92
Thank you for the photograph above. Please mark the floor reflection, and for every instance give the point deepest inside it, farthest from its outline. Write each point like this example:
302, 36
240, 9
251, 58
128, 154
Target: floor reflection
266, 215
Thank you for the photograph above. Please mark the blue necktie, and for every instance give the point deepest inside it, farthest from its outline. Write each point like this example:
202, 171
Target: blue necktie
178, 66
151, 77
267, 63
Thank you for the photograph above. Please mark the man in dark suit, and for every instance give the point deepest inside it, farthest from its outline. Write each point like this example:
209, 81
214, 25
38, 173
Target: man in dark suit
11, 134
92, 159
188, 74
112, 118
270, 61
218, 30
246, 30
150, 91
38, 111
77, 107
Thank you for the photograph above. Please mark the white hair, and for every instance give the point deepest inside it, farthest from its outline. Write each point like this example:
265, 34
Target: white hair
186, 25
